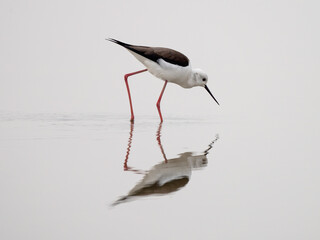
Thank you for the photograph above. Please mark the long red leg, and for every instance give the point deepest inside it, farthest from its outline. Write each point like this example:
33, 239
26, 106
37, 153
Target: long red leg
159, 100
126, 80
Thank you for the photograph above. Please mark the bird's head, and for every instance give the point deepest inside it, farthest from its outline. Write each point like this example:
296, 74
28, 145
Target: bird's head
200, 78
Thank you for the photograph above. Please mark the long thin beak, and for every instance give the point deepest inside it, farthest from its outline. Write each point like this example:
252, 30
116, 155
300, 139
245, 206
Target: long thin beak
205, 86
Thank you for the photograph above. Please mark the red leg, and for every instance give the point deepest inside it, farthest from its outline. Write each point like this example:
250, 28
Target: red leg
159, 100
126, 80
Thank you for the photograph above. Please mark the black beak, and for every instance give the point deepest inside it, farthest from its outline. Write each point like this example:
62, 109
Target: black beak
205, 86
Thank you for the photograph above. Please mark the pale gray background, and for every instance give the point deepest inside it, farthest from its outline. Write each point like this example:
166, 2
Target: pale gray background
64, 119
260, 56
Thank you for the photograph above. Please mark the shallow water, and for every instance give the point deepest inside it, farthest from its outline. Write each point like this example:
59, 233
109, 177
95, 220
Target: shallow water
92, 176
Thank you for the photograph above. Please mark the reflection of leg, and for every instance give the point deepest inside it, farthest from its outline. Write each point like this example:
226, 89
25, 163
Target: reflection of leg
159, 142
159, 100
126, 80
125, 165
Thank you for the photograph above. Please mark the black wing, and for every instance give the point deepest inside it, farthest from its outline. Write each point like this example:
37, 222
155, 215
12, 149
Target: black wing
155, 53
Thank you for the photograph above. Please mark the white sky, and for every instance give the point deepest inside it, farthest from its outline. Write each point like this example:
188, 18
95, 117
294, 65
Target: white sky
261, 56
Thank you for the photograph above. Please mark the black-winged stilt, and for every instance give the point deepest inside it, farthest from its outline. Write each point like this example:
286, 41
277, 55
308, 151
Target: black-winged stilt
166, 64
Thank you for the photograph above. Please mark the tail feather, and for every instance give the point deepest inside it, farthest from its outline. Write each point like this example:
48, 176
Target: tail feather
118, 42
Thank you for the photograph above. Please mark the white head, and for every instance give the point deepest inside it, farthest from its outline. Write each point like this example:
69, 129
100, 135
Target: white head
200, 78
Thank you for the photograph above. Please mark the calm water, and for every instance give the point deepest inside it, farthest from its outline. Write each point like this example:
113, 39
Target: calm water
95, 176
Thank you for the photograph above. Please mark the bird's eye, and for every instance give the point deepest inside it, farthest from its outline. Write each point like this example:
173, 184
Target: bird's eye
203, 79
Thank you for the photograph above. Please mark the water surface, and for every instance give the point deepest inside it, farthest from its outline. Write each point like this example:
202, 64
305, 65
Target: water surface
88, 176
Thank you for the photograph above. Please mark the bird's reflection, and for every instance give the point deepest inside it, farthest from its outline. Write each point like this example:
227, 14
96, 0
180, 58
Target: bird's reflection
167, 176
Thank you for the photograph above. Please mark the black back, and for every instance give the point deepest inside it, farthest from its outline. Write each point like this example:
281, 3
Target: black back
155, 53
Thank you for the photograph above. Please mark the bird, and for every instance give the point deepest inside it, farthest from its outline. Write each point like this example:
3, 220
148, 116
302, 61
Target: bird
166, 64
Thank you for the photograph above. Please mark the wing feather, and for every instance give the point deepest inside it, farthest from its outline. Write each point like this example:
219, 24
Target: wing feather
155, 53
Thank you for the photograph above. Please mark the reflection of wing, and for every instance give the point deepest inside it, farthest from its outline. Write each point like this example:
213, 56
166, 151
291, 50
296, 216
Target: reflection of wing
163, 178
156, 188
167, 171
